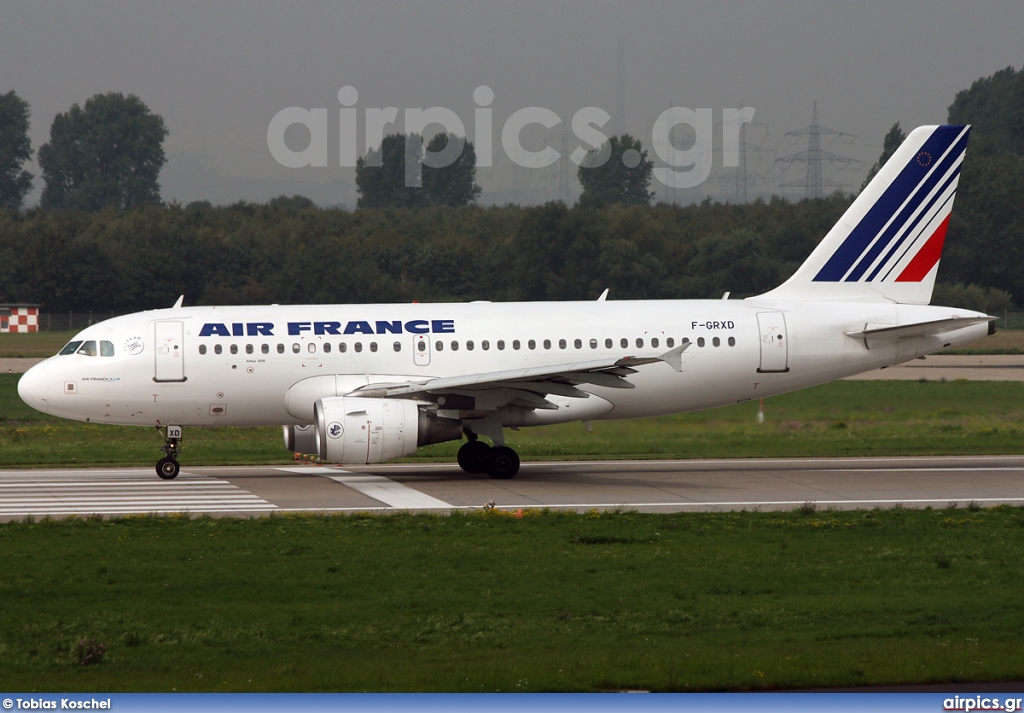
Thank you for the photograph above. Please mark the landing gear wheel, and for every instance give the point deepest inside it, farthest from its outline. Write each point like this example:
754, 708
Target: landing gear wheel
502, 462
168, 468
473, 457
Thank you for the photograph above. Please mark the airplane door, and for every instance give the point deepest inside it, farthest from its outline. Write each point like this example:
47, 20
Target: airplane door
170, 351
421, 350
774, 342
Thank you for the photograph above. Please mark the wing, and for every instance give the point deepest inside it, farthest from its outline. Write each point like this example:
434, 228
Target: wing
528, 387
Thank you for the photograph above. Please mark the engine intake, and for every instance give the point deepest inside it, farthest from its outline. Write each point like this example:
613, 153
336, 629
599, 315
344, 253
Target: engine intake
349, 429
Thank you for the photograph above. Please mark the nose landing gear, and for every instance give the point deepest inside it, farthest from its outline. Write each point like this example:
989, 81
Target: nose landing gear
168, 467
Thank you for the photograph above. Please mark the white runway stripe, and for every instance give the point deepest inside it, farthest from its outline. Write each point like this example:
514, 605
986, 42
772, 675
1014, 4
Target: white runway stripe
112, 492
377, 487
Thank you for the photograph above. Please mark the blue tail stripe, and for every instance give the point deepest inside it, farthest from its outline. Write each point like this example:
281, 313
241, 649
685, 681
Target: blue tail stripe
895, 195
897, 225
926, 215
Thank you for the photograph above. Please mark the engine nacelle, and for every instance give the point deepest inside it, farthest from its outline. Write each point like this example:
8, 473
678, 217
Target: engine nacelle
349, 429
300, 439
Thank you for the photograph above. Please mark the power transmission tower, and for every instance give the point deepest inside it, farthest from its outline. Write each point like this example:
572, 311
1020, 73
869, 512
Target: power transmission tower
815, 158
742, 178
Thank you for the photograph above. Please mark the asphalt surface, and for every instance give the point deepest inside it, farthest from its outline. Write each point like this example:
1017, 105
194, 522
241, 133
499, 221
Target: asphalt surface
646, 486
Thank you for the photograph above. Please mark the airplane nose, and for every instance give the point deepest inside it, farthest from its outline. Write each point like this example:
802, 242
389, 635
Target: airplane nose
32, 387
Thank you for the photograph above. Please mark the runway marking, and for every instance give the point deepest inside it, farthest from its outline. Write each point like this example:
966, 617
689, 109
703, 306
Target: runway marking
104, 492
378, 487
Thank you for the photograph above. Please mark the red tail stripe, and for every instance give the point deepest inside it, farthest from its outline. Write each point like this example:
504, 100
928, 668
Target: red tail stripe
926, 257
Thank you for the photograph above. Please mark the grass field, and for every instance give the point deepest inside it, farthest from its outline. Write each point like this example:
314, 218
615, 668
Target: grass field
839, 419
488, 602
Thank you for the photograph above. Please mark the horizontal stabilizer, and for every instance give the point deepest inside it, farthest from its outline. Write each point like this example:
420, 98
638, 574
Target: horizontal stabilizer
933, 328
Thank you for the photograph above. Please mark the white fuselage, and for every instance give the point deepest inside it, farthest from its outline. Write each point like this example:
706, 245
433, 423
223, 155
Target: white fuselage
210, 366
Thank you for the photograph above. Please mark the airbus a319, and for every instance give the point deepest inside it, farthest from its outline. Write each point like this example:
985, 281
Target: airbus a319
359, 384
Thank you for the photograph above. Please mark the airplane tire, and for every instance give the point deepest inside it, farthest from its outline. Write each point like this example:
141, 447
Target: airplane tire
473, 457
502, 463
168, 468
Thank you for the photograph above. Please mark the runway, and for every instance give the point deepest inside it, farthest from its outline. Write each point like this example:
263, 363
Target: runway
647, 486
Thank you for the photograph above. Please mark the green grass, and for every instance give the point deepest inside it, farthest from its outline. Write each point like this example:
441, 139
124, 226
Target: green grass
488, 602
839, 419
36, 344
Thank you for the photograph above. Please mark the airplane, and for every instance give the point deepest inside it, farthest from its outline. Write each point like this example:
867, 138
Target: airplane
362, 384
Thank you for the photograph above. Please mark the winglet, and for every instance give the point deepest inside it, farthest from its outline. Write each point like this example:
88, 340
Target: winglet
177, 305
604, 295
674, 357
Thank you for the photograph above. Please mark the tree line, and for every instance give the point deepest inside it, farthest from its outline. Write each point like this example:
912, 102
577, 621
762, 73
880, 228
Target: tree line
290, 251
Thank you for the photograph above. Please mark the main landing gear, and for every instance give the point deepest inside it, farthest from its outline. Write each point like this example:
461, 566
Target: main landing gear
475, 456
167, 467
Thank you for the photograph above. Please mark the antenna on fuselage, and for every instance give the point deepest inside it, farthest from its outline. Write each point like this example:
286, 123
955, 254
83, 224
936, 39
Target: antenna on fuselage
604, 295
177, 304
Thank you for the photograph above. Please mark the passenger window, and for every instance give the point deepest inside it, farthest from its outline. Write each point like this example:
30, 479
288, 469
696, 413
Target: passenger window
202, 349
654, 343
670, 342
398, 346
639, 343
732, 341
88, 348
265, 348
501, 345
469, 345
547, 343
439, 346
485, 345
358, 346
531, 344
311, 347
515, 344
373, 346
561, 344
686, 340
716, 342
327, 347
624, 343
234, 349
217, 349
343, 347
455, 346
578, 343
593, 344
700, 341
248, 349
280, 348
608, 343
296, 348
106, 349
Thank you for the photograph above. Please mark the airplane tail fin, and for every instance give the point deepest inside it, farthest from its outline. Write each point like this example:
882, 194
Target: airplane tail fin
887, 245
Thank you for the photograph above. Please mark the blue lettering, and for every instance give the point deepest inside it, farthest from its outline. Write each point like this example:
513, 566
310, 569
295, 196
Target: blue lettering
236, 329
417, 326
443, 326
259, 329
297, 327
326, 327
394, 327
358, 328
214, 330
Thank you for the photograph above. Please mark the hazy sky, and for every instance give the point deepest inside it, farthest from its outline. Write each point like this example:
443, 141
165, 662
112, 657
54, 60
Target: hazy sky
219, 71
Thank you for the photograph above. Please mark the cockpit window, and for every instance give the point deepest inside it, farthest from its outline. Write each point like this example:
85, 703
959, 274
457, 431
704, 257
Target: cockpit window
88, 348
106, 349
71, 348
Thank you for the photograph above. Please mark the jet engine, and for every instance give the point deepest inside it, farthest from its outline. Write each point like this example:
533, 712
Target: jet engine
300, 439
356, 430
